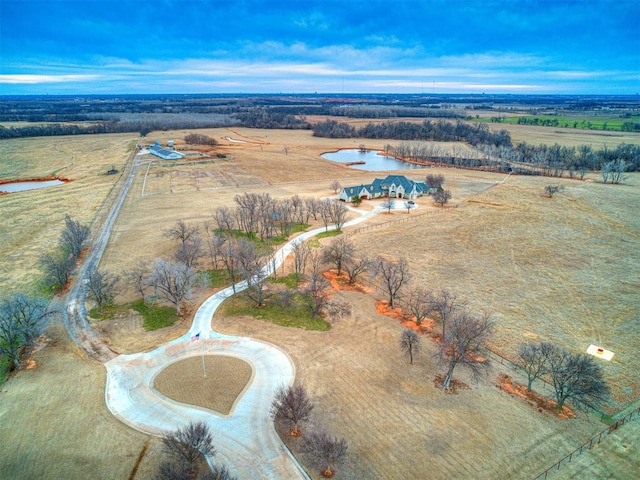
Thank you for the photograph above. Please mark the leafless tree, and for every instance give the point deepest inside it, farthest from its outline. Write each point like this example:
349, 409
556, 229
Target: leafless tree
577, 379
614, 171
409, 205
228, 254
324, 210
337, 310
218, 472
292, 405
420, 302
340, 251
445, 303
464, 345
394, 276
534, 360
189, 443
324, 452
315, 289
189, 251
313, 206
74, 237
335, 186
181, 231
250, 261
137, 278
21, 322
409, 343
215, 240
57, 268
441, 197
174, 282
103, 287
389, 204
224, 219
337, 213
355, 267
301, 252
434, 180
551, 190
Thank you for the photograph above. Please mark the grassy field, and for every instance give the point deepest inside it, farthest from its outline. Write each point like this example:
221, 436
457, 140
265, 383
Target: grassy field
582, 122
564, 269
32, 221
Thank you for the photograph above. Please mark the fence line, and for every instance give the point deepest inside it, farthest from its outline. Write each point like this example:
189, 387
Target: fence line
404, 218
593, 441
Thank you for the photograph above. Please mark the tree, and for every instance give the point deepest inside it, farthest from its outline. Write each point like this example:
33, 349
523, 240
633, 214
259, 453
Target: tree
57, 269
356, 267
388, 204
551, 190
337, 213
335, 186
189, 251
173, 281
434, 181
534, 359
74, 237
103, 287
137, 278
409, 204
356, 201
394, 275
292, 405
464, 343
409, 343
420, 302
250, 261
441, 197
576, 378
301, 252
324, 452
340, 251
21, 322
218, 472
445, 303
225, 221
315, 289
181, 231
189, 443
614, 171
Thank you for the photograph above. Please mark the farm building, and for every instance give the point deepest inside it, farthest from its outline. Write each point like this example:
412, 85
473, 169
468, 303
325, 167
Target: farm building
165, 153
394, 186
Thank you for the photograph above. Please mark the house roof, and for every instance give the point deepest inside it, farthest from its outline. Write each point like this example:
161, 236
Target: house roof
164, 152
380, 185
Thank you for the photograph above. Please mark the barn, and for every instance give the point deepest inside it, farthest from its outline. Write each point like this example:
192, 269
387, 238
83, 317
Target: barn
165, 153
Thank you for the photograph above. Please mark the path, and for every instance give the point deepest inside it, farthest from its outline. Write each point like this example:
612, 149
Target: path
246, 440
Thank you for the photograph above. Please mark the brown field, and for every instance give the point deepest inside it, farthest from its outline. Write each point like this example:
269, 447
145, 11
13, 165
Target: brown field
185, 381
32, 221
565, 269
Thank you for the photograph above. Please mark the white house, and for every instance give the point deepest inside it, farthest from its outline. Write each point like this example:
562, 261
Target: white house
394, 186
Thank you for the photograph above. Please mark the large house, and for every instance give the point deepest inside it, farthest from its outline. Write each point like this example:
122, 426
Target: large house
394, 186
165, 153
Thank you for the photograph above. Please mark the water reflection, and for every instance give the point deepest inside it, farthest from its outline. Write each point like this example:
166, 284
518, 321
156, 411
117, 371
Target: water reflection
24, 186
374, 161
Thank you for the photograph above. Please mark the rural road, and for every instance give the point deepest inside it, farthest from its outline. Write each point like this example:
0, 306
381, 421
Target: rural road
246, 440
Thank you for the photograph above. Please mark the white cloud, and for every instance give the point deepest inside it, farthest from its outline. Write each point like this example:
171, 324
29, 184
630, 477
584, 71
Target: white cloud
36, 79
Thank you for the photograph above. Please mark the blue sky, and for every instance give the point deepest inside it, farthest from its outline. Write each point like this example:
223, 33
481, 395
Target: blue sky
346, 46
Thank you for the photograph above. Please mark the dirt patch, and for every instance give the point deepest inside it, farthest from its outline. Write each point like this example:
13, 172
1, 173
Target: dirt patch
341, 282
216, 387
540, 403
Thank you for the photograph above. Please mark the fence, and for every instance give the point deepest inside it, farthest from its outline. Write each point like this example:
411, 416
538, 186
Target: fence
595, 440
401, 219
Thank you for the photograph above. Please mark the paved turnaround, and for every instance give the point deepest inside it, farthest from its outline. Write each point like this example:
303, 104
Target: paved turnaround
246, 440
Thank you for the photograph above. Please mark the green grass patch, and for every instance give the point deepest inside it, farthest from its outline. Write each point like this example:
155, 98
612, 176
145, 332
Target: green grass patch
155, 316
330, 233
108, 312
296, 315
218, 278
4, 369
291, 281
630, 123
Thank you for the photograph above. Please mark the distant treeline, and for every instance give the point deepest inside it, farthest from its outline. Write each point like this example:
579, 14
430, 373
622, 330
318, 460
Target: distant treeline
524, 159
438, 131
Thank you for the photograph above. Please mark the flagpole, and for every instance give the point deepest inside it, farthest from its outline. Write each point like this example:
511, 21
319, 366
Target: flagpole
204, 369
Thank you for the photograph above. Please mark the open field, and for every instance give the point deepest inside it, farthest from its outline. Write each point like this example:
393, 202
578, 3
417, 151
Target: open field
32, 221
564, 269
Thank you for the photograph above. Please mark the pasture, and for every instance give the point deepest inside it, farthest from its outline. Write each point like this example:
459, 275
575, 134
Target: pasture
562, 269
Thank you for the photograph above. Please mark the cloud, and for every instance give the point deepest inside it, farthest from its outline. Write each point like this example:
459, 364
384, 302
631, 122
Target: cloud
36, 79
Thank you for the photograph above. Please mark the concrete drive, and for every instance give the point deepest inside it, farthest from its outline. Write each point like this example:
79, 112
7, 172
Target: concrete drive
246, 440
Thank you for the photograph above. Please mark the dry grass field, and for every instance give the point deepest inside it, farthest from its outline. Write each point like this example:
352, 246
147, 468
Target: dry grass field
564, 269
31, 221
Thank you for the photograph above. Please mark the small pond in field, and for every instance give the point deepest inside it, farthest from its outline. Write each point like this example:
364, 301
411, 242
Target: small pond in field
13, 187
373, 161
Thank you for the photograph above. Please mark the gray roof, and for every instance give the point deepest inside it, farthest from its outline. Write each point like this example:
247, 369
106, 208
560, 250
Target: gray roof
379, 185
164, 152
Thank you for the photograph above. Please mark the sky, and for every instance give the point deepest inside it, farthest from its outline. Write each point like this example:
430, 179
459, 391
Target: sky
81, 47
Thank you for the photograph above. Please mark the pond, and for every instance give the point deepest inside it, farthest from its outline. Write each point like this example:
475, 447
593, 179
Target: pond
373, 162
13, 187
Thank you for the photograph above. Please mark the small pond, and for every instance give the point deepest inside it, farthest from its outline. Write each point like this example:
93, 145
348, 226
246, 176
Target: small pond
13, 187
373, 161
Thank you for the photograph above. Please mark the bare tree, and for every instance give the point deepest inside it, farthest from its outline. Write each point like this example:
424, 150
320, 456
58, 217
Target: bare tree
137, 278
181, 231
301, 252
225, 221
189, 251
356, 267
445, 303
324, 452
388, 204
215, 240
315, 290
250, 261
57, 269
441, 197
577, 379
409, 204
434, 181
534, 359
409, 343
394, 276
21, 322
173, 281
189, 443
340, 251
464, 345
313, 206
335, 186
218, 472
420, 302
103, 287
614, 171
338, 214
551, 190
292, 405
74, 237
